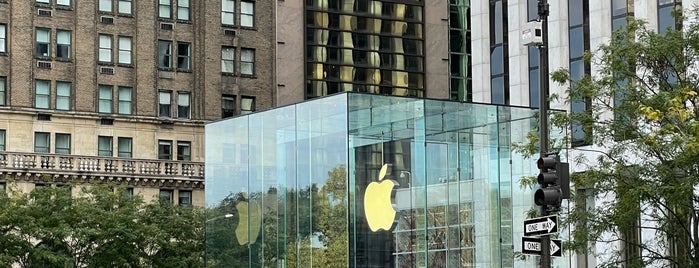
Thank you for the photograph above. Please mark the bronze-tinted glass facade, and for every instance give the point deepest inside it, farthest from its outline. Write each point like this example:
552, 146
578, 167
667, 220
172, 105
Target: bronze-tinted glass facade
364, 46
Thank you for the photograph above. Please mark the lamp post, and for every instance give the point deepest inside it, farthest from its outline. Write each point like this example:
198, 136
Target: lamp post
220, 217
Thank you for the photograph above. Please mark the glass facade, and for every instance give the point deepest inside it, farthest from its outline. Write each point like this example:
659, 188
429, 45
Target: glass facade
461, 86
364, 46
363, 180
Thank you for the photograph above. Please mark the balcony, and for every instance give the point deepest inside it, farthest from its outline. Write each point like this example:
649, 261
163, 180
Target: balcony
91, 168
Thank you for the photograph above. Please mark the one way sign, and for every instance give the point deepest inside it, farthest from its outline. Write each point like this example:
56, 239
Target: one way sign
541, 226
532, 246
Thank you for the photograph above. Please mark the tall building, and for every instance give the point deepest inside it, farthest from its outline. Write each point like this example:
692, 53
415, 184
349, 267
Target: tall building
119, 90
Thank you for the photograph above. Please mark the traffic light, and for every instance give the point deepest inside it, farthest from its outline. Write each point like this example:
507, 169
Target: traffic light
554, 179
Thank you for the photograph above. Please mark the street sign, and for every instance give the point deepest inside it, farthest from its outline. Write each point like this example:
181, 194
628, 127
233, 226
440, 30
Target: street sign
541, 226
532, 246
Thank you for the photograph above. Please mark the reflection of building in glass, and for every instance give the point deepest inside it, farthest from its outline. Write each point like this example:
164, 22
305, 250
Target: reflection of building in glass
309, 166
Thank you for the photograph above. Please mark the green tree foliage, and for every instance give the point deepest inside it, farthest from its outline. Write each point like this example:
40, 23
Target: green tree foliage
99, 227
642, 162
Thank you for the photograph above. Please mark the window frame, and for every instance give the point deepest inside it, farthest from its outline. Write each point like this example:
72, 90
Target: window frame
63, 98
109, 8
121, 101
60, 45
228, 99
123, 153
161, 104
106, 50
108, 151
164, 155
161, 5
102, 101
181, 7
3, 38
184, 151
46, 44
3, 90
181, 114
246, 62
227, 13
124, 55
165, 54
184, 57
47, 138
130, 7
62, 150
228, 60
166, 195
46, 97
245, 15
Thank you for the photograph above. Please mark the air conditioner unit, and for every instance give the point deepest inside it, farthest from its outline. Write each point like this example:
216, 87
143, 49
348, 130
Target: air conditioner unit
45, 12
106, 70
229, 32
44, 64
166, 26
107, 19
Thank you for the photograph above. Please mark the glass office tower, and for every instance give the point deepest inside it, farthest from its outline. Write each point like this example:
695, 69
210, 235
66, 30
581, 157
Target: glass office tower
361, 180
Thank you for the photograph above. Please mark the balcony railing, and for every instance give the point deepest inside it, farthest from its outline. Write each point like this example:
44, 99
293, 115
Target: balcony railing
99, 166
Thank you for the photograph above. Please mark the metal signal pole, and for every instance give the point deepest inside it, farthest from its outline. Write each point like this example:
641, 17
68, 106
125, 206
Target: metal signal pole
543, 8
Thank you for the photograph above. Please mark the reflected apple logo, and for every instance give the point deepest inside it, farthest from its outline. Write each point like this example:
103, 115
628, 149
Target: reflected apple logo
378, 209
250, 222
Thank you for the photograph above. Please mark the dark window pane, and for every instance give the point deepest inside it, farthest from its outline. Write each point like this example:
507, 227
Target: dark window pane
577, 42
496, 61
665, 20
575, 12
498, 90
534, 87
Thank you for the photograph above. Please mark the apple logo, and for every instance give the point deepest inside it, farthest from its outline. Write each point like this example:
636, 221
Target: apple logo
249, 223
378, 209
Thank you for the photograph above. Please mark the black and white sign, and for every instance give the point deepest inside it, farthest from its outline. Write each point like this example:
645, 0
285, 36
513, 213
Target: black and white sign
532, 246
541, 226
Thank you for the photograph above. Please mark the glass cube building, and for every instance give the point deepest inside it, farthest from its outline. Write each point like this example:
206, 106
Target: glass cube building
361, 180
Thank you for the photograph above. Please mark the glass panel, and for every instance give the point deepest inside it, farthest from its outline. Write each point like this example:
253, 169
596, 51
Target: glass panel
62, 143
124, 147
575, 11
577, 41
105, 5
105, 99
41, 142
104, 146
124, 100
62, 96
125, 7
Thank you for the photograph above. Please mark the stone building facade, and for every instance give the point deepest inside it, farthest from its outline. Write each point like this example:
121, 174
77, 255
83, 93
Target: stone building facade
120, 90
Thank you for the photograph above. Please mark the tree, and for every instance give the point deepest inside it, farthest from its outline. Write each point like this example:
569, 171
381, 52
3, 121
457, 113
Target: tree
101, 226
641, 163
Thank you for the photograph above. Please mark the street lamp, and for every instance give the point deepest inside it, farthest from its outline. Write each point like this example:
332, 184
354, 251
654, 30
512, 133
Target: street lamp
220, 217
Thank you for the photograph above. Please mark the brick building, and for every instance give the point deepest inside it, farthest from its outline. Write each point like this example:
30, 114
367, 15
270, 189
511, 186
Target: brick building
119, 90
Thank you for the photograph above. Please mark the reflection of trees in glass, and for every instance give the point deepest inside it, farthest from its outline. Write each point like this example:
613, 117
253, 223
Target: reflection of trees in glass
222, 247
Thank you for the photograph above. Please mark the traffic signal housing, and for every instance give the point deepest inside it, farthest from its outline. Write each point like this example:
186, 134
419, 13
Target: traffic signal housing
554, 179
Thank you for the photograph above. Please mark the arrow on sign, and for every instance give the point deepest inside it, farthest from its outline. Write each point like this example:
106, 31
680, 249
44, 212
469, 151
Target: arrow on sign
532, 246
541, 226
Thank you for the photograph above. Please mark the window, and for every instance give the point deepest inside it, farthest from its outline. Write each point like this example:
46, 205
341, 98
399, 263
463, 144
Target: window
247, 105
183, 9
63, 3
184, 198
43, 43
128, 191
183, 56
165, 54
105, 6
62, 143
105, 99
63, 44
184, 150
41, 142
125, 7
3, 90
227, 106
247, 61
2, 188
124, 50
164, 150
183, 105
228, 60
124, 100
63, 95
164, 9
247, 14
499, 81
43, 2
3, 38
124, 146
666, 21
228, 12
164, 100
104, 146
166, 196
43, 93
579, 40
2, 139
105, 48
